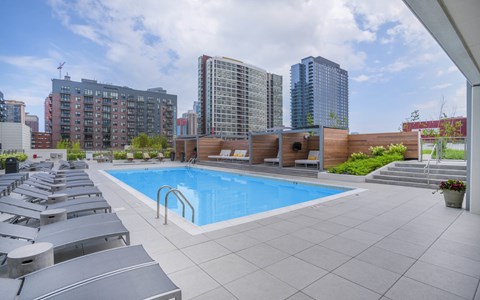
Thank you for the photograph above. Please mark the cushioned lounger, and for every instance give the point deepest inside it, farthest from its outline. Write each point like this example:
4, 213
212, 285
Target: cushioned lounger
48, 186
43, 195
64, 204
311, 160
65, 233
91, 276
223, 154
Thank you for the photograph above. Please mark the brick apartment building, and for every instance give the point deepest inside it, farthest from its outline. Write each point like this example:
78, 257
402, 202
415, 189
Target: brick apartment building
41, 140
102, 116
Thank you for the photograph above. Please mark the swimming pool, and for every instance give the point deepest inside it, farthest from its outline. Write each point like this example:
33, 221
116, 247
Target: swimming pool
219, 196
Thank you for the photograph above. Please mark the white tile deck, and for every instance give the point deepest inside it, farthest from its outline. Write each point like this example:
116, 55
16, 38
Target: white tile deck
389, 242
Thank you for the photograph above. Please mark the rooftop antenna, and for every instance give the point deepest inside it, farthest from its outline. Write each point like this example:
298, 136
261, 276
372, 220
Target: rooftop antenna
60, 70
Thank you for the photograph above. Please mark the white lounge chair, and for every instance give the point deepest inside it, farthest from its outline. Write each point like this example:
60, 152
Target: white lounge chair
273, 161
223, 154
311, 160
240, 155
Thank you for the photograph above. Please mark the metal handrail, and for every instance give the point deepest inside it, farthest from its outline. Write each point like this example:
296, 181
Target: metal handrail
182, 200
427, 165
158, 198
190, 162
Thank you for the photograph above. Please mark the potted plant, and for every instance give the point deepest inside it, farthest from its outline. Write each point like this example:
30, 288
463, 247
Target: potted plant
453, 192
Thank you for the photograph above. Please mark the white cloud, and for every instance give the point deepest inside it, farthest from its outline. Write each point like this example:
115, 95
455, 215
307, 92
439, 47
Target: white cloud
441, 86
361, 78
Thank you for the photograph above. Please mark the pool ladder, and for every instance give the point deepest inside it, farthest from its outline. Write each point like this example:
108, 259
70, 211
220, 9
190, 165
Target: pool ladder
191, 162
180, 196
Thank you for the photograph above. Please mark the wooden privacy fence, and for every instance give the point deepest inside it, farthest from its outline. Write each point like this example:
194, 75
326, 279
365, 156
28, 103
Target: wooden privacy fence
361, 142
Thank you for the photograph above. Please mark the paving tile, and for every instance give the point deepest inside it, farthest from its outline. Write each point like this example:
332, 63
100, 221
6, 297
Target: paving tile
300, 296
216, 294
367, 275
216, 234
460, 249
361, 236
376, 228
347, 221
237, 242
228, 268
304, 220
182, 240
172, 261
323, 257
260, 285
312, 235
290, 244
264, 234
401, 247
332, 286
193, 282
386, 259
452, 262
262, 255
295, 272
419, 238
268, 221
246, 226
204, 252
345, 246
330, 227
285, 226
407, 288
450, 281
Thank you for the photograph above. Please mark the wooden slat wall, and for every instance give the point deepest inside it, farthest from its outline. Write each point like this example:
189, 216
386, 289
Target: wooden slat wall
361, 142
235, 145
264, 146
288, 155
208, 146
335, 150
191, 144
179, 148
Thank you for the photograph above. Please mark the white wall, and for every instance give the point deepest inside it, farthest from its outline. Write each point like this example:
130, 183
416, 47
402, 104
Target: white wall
15, 136
44, 154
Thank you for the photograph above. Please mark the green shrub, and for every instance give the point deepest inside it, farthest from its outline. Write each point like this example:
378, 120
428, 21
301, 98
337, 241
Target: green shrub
377, 150
358, 156
120, 155
365, 166
397, 148
138, 155
19, 155
153, 154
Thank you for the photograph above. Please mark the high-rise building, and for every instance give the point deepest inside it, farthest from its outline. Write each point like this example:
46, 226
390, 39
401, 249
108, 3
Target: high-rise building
318, 93
192, 124
3, 109
274, 101
32, 122
15, 111
107, 116
233, 97
182, 126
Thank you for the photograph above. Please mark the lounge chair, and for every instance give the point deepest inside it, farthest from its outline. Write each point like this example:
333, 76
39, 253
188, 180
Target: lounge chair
36, 193
146, 156
311, 160
160, 156
273, 161
64, 233
120, 273
130, 157
50, 186
239, 155
223, 154
22, 209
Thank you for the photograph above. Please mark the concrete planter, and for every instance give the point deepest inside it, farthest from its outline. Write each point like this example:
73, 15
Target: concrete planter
453, 198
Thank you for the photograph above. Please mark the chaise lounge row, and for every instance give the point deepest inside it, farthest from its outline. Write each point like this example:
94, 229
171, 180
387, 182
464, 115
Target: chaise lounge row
238, 155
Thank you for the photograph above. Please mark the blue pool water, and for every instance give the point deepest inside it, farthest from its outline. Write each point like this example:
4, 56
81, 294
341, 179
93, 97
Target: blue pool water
219, 196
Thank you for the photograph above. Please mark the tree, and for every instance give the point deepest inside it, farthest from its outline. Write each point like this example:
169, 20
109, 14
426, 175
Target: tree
337, 123
310, 121
414, 117
140, 141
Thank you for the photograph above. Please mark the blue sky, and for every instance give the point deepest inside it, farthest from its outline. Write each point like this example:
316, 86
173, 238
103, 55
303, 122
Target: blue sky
394, 65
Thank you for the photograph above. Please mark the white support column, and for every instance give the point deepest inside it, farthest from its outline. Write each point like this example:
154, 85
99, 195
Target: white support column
474, 153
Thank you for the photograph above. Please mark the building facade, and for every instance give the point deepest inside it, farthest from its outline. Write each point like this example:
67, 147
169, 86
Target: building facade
3, 109
232, 97
182, 126
41, 140
102, 116
192, 123
318, 94
457, 127
15, 111
32, 122
274, 101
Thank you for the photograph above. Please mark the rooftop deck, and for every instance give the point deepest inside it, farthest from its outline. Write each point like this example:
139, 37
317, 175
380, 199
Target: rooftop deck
389, 242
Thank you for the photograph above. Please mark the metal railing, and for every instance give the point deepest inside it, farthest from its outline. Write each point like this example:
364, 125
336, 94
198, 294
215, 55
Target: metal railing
191, 162
426, 169
181, 198
446, 147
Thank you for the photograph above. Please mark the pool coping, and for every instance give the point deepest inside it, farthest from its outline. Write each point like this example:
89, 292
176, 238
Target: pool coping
196, 230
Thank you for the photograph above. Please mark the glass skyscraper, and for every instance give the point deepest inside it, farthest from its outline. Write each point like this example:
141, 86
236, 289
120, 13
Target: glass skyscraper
318, 94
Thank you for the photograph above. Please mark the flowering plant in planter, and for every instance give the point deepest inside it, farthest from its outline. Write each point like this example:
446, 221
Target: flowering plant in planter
453, 185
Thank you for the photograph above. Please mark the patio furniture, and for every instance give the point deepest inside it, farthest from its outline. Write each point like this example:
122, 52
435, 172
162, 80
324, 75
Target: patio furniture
146, 156
239, 155
65, 233
35, 193
160, 156
130, 156
120, 273
223, 154
311, 160
273, 161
